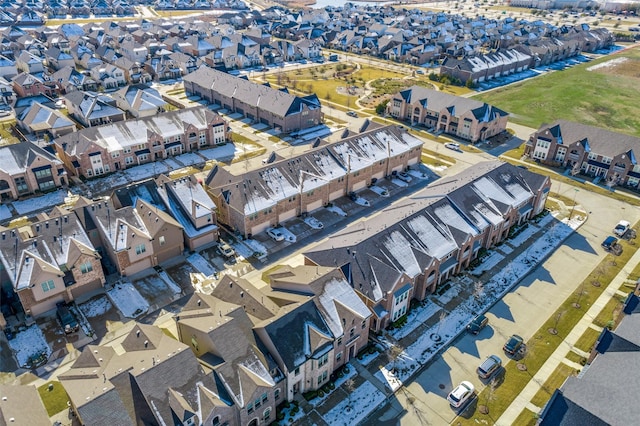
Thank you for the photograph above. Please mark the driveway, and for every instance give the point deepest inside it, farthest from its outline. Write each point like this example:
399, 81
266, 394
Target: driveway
522, 311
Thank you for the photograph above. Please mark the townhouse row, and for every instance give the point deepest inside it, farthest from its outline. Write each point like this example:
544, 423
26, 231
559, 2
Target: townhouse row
608, 157
240, 352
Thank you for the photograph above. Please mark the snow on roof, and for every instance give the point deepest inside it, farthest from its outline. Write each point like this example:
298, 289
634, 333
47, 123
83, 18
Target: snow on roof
493, 190
447, 214
340, 291
402, 251
432, 237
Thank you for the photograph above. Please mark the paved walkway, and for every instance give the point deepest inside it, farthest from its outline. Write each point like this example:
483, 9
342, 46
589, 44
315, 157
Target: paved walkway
521, 401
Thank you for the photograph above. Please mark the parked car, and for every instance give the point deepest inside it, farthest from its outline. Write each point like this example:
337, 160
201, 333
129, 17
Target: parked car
353, 196
225, 250
460, 394
67, 320
313, 222
610, 244
477, 324
276, 234
352, 114
489, 366
403, 176
452, 145
621, 228
513, 345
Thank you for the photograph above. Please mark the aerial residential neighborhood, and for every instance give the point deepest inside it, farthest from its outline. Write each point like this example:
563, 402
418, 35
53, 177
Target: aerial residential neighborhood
244, 213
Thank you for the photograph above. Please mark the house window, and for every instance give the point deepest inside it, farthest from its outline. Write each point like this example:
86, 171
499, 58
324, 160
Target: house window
339, 341
257, 403
128, 160
276, 394
89, 172
86, 267
339, 357
40, 174
215, 421
323, 360
322, 378
264, 397
141, 249
364, 324
48, 285
21, 185
115, 154
296, 371
194, 343
351, 332
267, 413
250, 408
162, 240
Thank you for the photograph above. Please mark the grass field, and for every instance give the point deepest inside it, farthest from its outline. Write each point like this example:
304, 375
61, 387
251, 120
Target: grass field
604, 97
54, 400
556, 380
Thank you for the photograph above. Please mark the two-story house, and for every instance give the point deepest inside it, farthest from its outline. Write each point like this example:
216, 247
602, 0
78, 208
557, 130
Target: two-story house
50, 261
92, 109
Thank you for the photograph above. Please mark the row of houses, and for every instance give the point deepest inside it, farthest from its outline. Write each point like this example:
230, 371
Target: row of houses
250, 201
607, 156
240, 352
406, 251
260, 103
481, 67
465, 118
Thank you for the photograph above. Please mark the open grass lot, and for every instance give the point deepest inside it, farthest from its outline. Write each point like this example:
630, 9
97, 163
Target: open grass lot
604, 97
578, 359
543, 343
54, 400
610, 313
587, 340
556, 380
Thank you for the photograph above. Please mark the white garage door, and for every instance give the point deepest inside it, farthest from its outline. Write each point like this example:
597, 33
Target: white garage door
335, 195
359, 185
379, 175
413, 161
255, 230
314, 206
398, 168
282, 217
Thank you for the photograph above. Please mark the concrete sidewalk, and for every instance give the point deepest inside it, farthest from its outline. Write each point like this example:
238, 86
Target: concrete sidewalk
534, 385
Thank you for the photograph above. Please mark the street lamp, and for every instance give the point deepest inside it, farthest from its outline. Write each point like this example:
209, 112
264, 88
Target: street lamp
574, 202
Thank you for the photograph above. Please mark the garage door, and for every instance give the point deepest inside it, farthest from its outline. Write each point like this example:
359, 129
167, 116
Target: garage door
359, 185
255, 230
413, 161
282, 217
335, 195
398, 168
379, 175
314, 206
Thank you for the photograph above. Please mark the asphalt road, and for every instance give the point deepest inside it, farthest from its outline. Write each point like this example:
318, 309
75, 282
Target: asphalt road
522, 311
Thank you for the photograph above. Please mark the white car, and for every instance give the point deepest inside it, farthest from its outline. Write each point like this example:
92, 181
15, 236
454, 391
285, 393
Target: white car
313, 222
460, 394
403, 176
276, 234
452, 145
621, 228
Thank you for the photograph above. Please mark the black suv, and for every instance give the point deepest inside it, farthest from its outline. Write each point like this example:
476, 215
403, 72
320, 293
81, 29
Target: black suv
67, 320
477, 324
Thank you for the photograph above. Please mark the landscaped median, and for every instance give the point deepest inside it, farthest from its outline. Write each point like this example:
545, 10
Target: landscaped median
547, 339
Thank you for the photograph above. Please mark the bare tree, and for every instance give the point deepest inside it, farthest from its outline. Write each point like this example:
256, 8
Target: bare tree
490, 396
350, 387
394, 353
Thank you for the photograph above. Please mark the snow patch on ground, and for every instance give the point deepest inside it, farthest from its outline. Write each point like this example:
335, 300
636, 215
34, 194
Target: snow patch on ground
416, 173
350, 411
505, 249
175, 288
189, 159
28, 343
380, 191
96, 307
5, 213
288, 235
243, 251
400, 183
608, 64
201, 264
362, 201
255, 245
488, 262
449, 295
414, 319
388, 378
339, 381
41, 202
128, 300
519, 239
172, 164
337, 210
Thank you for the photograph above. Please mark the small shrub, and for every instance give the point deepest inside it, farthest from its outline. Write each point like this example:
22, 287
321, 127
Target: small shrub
320, 393
332, 386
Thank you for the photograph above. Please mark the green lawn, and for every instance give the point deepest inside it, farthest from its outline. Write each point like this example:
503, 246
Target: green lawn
543, 344
526, 418
54, 400
572, 356
610, 312
556, 380
587, 340
606, 97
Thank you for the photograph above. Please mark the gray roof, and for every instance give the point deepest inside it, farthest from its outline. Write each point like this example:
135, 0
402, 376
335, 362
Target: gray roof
275, 101
596, 139
406, 237
21, 405
17, 158
438, 101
